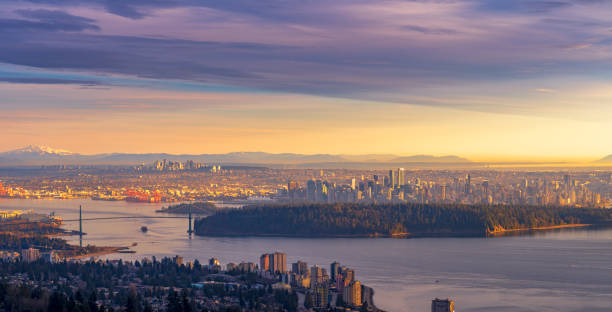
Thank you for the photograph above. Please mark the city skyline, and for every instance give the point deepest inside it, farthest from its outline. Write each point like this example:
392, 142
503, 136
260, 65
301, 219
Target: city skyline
524, 80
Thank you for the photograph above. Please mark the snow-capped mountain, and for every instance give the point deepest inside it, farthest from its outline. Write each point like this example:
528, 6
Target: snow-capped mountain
40, 150
37, 155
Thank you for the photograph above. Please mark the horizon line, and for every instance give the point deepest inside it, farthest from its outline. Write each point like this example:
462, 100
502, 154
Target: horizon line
474, 159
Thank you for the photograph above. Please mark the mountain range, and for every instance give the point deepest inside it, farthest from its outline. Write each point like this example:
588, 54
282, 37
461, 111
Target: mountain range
43, 155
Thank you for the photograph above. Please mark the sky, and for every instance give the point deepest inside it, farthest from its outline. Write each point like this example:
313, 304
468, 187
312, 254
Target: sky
483, 79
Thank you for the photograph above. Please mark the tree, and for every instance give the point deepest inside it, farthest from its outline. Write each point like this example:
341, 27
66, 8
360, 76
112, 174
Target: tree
185, 302
148, 307
132, 304
91, 302
241, 300
173, 302
57, 302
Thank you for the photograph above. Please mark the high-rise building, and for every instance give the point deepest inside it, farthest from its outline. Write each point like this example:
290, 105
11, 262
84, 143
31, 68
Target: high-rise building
299, 268
443, 192
321, 191
367, 295
275, 263
311, 191
442, 305
279, 262
316, 275
344, 278
178, 260
211, 262
30, 255
348, 275
334, 270
264, 262
401, 177
352, 294
3, 191
51, 257
231, 267
292, 188
302, 281
320, 295
246, 267
392, 179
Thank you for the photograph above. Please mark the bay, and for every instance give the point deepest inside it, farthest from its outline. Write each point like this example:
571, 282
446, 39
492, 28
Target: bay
569, 270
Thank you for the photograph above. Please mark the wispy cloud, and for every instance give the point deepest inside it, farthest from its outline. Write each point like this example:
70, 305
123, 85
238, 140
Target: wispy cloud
429, 30
580, 46
46, 20
546, 90
49, 81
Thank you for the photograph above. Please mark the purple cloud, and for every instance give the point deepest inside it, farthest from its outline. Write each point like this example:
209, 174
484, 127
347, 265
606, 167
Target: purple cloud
46, 20
430, 31
333, 48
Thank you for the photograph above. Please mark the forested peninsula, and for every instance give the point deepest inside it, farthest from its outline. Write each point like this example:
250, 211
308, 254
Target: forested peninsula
205, 208
393, 220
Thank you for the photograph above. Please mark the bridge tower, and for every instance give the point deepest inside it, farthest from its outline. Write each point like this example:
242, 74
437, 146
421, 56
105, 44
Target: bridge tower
190, 229
80, 226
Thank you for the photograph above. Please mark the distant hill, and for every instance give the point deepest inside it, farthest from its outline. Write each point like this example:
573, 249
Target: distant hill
607, 159
430, 158
370, 157
44, 155
199, 208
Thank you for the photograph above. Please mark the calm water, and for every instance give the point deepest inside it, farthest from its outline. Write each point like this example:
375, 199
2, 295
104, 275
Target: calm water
557, 271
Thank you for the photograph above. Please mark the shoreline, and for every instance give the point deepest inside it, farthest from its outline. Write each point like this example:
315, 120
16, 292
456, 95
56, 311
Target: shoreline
537, 228
347, 236
483, 234
398, 236
104, 251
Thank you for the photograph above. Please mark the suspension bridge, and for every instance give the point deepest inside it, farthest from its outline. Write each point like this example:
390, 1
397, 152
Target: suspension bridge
124, 217
81, 219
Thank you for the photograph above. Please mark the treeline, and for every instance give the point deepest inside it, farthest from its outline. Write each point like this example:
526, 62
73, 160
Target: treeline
19, 241
10, 241
18, 225
21, 298
158, 273
349, 219
196, 208
101, 287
